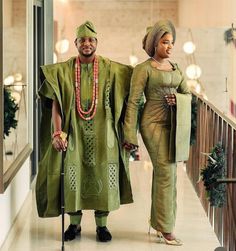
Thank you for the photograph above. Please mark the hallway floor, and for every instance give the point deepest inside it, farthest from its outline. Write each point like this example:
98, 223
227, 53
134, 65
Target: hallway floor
128, 225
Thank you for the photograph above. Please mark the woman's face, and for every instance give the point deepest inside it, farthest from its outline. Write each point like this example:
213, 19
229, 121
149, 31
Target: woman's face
164, 46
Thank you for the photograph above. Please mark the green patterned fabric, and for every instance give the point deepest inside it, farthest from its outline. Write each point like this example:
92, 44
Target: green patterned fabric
96, 165
165, 131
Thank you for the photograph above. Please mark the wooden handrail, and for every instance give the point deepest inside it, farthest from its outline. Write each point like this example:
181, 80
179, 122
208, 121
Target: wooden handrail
215, 109
226, 181
213, 127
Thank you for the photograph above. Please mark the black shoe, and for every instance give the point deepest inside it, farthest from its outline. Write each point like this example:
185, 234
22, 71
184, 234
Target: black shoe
71, 232
103, 234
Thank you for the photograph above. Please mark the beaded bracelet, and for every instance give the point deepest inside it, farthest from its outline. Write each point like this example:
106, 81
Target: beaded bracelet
62, 135
56, 133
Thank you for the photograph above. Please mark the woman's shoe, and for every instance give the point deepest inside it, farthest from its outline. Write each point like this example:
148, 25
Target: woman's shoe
161, 239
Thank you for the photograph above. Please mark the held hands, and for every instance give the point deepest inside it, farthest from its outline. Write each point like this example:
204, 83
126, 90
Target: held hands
59, 141
129, 147
170, 99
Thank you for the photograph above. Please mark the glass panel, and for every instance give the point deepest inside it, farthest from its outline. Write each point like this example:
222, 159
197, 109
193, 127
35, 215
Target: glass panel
15, 80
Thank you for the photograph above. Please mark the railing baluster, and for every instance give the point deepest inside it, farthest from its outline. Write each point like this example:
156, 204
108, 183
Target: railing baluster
213, 127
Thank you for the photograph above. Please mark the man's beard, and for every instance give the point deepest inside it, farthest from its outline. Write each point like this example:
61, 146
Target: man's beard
88, 55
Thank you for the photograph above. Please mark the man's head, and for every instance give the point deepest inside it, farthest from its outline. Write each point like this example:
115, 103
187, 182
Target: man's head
86, 39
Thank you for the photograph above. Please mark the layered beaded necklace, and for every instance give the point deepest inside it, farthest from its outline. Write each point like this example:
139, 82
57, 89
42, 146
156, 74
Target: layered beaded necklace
86, 115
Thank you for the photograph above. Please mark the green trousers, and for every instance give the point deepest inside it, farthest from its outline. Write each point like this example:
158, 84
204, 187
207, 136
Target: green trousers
100, 218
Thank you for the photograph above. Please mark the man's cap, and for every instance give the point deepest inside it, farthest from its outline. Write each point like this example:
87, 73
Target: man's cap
86, 30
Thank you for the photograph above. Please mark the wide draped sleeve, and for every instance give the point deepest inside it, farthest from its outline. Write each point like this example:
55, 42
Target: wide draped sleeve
57, 84
183, 120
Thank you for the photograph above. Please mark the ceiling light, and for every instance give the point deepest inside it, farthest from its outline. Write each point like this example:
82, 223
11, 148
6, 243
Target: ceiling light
189, 47
193, 71
9, 80
62, 46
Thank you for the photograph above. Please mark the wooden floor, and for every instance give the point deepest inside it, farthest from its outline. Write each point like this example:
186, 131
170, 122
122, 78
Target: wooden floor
128, 225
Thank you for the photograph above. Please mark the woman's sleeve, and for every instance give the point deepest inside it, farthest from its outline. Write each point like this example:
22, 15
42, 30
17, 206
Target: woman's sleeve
183, 120
138, 83
183, 87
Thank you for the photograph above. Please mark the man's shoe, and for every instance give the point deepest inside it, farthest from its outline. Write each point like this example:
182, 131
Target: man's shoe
103, 234
71, 232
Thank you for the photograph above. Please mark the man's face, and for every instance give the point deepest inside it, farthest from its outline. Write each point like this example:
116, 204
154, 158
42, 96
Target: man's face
86, 46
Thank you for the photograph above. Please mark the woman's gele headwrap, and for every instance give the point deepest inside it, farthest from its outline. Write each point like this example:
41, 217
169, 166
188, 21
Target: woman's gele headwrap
154, 34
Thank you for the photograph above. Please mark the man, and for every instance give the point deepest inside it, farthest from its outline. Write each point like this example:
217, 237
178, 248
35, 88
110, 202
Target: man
84, 97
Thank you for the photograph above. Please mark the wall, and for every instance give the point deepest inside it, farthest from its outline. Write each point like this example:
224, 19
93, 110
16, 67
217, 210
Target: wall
13, 198
14, 39
7, 8
212, 56
210, 13
218, 15
120, 25
232, 79
15, 61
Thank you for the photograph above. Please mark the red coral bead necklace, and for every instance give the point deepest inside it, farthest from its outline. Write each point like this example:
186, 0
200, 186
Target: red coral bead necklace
86, 115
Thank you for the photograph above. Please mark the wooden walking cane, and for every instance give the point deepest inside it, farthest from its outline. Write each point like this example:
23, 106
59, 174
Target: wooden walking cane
63, 136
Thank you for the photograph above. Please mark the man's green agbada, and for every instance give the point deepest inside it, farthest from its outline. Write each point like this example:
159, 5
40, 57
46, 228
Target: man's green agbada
84, 97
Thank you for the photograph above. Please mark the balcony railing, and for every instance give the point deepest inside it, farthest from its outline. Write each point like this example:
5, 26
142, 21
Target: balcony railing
213, 127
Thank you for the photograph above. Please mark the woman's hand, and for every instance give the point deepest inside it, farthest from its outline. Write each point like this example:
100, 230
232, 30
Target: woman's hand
170, 99
59, 144
129, 147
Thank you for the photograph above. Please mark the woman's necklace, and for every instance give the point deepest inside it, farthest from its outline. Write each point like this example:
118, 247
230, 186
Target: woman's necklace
86, 115
166, 66
162, 64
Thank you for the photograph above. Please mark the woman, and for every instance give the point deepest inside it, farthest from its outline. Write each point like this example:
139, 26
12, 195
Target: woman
165, 123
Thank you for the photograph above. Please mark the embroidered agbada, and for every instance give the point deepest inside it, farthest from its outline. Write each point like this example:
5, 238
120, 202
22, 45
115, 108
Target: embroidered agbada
96, 165
165, 131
